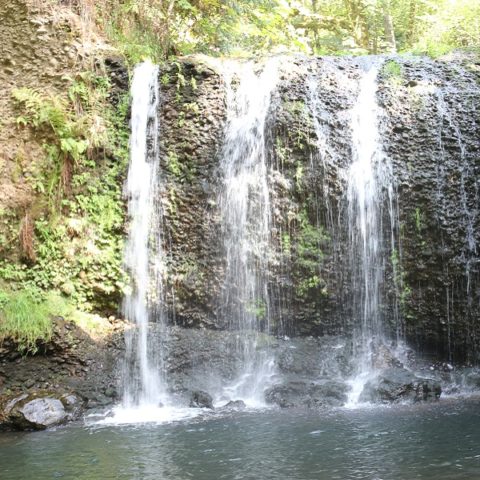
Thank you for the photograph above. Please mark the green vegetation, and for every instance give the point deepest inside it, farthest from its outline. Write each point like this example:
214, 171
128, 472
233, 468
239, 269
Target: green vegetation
308, 255
65, 139
173, 164
392, 70
73, 130
258, 308
26, 319
418, 218
402, 289
71, 239
286, 243
161, 29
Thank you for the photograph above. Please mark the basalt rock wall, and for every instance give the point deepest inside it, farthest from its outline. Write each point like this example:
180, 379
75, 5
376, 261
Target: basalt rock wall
429, 134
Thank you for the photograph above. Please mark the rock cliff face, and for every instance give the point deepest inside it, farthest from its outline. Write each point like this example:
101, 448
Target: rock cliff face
38, 50
429, 133
431, 129
429, 290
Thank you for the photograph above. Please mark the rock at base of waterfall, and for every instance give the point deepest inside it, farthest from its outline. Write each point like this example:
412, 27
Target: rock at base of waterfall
40, 411
235, 405
200, 399
394, 385
307, 394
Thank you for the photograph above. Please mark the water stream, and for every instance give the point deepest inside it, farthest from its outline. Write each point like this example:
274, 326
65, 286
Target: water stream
144, 379
246, 223
369, 182
368, 225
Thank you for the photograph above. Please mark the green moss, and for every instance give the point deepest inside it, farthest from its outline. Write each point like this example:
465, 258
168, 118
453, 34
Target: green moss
418, 219
393, 72
296, 107
308, 256
258, 309
282, 151
165, 79
173, 164
286, 244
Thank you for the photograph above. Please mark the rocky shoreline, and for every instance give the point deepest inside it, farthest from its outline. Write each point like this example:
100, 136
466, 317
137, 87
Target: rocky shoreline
73, 374
75, 368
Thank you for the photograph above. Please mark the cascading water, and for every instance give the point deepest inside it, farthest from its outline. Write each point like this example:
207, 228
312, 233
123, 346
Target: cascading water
364, 190
145, 384
144, 377
468, 203
245, 215
469, 206
369, 178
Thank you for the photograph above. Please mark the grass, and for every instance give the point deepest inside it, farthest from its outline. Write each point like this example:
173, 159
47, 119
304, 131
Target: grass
393, 72
27, 319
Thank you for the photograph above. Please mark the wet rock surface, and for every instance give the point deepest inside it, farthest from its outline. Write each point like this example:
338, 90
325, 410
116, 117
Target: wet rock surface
396, 385
305, 373
235, 405
40, 410
201, 399
203, 365
292, 394
74, 368
429, 130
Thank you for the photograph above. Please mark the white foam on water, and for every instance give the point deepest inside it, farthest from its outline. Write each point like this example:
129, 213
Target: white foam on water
150, 414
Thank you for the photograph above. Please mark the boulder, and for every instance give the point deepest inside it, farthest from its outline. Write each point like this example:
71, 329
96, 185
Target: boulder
40, 410
235, 405
307, 394
394, 385
200, 399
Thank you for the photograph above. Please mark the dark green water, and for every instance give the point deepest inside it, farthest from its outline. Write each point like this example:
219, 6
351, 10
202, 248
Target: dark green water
440, 441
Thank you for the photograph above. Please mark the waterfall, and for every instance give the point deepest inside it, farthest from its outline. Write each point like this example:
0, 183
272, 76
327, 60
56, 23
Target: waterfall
144, 376
369, 178
469, 206
246, 221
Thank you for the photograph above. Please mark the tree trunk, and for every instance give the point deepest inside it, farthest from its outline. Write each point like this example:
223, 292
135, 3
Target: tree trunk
356, 11
412, 23
390, 43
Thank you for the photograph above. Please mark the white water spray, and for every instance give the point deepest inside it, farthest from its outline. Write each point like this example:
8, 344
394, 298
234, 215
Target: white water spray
143, 378
369, 178
245, 214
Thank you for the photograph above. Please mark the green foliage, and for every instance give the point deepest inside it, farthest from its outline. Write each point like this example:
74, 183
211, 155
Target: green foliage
79, 243
173, 164
403, 290
448, 25
71, 128
52, 113
161, 29
418, 218
392, 71
310, 238
282, 151
308, 284
286, 244
308, 255
26, 317
165, 79
258, 309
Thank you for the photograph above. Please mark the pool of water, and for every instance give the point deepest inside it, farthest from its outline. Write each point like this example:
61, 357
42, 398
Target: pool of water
438, 441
